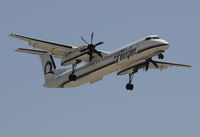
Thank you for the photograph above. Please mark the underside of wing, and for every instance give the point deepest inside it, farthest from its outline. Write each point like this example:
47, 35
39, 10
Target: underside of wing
165, 65
143, 65
56, 49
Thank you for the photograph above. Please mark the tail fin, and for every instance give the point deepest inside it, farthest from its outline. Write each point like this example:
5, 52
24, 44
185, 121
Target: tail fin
48, 64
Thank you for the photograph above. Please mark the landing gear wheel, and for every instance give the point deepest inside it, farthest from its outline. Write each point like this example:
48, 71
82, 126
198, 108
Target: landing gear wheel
129, 86
161, 56
72, 77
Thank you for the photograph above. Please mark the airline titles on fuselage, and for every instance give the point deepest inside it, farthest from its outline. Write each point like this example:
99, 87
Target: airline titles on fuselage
118, 55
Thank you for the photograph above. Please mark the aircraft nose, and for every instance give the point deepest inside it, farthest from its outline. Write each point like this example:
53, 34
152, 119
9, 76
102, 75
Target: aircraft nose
164, 42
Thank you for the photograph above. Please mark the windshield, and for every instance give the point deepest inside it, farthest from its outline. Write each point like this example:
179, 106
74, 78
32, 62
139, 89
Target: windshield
152, 37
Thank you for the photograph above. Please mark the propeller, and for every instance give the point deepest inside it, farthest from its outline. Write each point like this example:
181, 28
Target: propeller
91, 47
150, 61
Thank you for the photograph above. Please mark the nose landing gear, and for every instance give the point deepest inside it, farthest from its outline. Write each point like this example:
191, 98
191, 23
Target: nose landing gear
160, 56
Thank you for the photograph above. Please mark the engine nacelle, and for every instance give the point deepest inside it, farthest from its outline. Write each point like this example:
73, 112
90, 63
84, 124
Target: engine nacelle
71, 58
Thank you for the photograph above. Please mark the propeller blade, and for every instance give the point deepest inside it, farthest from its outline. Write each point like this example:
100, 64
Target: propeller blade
84, 40
83, 50
147, 66
99, 43
154, 63
92, 35
98, 53
91, 57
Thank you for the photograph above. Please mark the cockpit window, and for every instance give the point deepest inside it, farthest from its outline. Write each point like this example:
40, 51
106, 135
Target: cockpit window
148, 38
154, 37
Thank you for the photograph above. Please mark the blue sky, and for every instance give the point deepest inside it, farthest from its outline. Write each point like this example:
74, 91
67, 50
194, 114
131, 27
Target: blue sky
163, 104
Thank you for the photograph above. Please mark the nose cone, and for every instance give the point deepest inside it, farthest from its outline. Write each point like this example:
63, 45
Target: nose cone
164, 42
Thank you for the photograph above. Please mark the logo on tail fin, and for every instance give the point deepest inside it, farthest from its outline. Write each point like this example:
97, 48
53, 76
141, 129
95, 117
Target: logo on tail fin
48, 68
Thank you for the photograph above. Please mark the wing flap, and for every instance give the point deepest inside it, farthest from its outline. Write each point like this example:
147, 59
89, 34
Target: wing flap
30, 51
35, 52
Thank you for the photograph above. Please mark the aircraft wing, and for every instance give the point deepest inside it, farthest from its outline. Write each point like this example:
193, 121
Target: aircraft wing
55, 49
165, 65
35, 52
142, 65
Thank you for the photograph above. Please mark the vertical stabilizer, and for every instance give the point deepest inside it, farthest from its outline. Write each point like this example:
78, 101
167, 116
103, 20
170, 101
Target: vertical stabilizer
48, 66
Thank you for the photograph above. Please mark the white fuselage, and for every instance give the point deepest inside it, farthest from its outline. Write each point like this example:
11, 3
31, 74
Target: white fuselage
116, 60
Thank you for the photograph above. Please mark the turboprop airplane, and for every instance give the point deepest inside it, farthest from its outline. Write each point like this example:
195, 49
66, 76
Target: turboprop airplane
126, 60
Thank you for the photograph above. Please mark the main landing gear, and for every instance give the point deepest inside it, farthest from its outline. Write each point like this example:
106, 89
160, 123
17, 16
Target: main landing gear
129, 85
72, 77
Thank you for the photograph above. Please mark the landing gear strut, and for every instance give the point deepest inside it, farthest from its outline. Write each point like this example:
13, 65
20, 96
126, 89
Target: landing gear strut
129, 85
72, 77
160, 56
